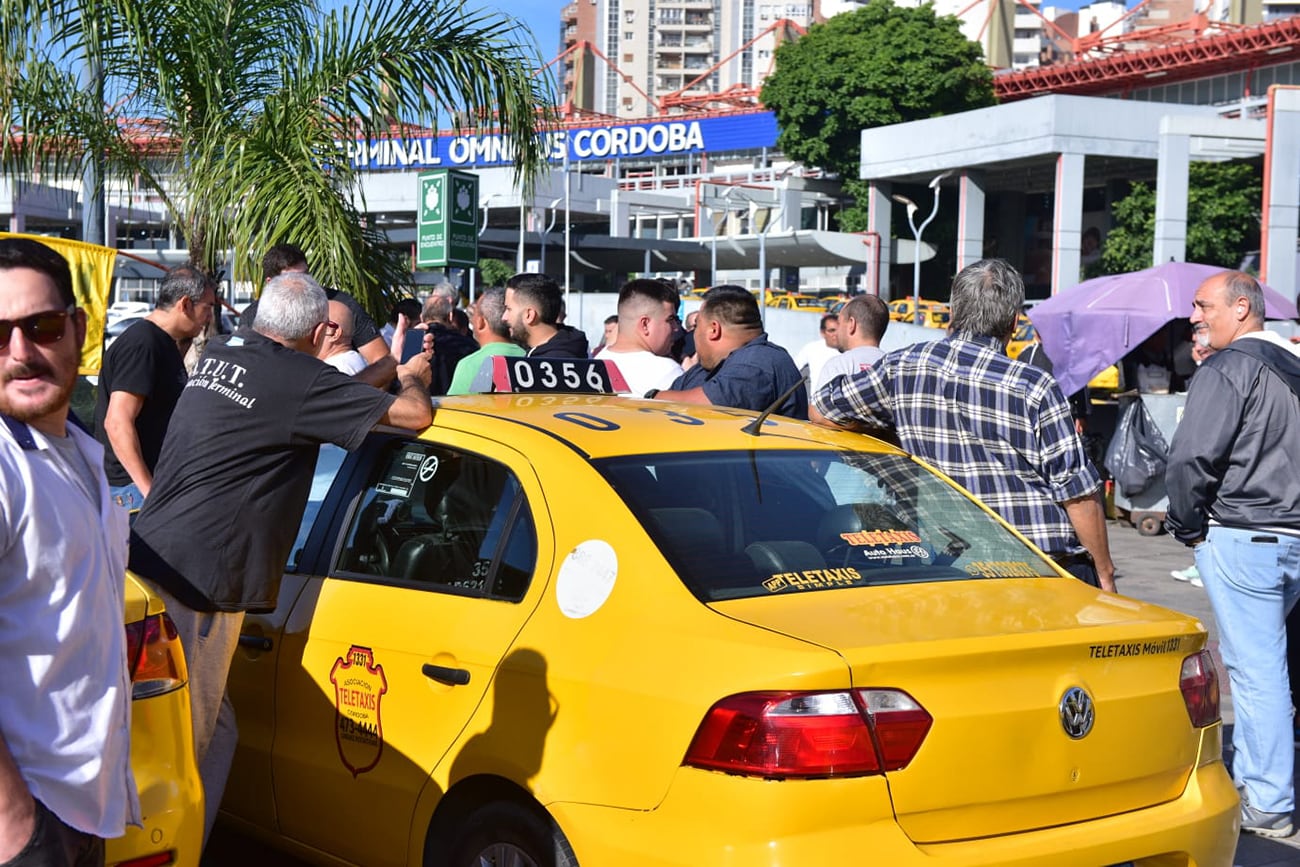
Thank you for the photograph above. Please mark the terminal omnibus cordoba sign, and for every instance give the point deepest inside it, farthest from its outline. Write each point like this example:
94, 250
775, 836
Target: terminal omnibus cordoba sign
447, 219
666, 138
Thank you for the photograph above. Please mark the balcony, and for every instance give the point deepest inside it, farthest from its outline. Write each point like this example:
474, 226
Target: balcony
569, 13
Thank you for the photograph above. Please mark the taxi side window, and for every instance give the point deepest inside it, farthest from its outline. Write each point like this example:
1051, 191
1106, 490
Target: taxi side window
327, 467
443, 520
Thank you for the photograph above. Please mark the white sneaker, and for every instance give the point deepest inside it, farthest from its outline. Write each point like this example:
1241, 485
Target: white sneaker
1189, 575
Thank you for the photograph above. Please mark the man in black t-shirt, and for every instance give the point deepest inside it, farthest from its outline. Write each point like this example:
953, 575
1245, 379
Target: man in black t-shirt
233, 481
141, 379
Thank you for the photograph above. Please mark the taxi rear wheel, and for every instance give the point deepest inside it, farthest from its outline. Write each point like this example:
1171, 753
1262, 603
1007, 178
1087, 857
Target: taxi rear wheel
510, 835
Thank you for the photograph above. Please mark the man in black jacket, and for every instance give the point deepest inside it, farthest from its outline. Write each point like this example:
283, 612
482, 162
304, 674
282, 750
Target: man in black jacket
1235, 498
534, 304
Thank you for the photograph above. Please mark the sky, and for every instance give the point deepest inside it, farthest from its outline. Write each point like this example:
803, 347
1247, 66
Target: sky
541, 16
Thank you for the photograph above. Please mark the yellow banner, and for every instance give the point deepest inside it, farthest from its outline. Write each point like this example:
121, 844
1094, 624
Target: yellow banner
92, 277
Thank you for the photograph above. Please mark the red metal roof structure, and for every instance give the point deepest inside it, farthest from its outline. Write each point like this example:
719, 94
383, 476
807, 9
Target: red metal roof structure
1231, 50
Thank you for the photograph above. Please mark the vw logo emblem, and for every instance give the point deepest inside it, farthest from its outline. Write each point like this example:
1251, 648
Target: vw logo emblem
1077, 713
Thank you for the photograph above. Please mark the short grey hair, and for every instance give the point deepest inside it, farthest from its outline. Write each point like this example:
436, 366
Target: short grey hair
291, 305
986, 298
1238, 284
444, 289
491, 306
437, 308
183, 281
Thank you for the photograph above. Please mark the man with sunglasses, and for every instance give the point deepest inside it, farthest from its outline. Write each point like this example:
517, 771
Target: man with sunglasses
141, 380
65, 777
233, 481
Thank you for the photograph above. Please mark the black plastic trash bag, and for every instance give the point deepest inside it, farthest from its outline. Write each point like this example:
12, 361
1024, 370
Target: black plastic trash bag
1138, 452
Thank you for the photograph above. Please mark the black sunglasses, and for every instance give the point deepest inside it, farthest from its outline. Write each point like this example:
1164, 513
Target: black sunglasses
41, 328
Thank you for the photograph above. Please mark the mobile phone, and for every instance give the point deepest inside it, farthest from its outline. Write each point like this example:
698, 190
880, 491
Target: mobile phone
413, 344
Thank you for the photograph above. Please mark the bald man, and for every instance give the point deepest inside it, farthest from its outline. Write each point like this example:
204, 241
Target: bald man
336, 350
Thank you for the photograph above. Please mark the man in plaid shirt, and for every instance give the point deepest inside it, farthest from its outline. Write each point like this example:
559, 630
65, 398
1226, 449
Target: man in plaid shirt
998, 427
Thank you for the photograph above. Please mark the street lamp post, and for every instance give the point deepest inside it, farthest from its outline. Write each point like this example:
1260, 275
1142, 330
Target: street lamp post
544, 234
916, 234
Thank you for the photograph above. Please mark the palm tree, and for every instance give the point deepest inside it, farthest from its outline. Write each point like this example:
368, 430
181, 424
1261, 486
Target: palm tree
233, 113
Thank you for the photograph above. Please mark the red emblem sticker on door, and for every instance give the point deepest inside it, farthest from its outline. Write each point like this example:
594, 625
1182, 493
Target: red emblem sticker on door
359, 687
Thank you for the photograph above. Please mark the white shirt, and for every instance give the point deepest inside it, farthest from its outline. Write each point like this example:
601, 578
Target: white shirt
350, 362
1274, 338
65, 697
813, 355
849, 362
642, 369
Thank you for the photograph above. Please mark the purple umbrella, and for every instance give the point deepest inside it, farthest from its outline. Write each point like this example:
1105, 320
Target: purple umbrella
1091, 326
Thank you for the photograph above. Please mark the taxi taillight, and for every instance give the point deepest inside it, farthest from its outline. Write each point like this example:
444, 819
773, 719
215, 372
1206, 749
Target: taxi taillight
810, 734
158, 859
1199, 683
154, 657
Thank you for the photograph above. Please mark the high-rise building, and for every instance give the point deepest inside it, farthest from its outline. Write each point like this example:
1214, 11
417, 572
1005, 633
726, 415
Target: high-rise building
659, 47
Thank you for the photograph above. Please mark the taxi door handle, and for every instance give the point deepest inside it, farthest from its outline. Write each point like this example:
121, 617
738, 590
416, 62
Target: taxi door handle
255, 642
449, 676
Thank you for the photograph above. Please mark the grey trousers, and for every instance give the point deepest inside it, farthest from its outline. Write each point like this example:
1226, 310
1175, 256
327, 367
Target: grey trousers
209, 639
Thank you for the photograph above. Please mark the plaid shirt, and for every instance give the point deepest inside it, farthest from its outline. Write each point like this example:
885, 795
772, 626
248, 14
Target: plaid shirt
999, 428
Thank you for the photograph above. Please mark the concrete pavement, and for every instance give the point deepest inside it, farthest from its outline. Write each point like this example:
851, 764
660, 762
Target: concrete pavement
1143, 564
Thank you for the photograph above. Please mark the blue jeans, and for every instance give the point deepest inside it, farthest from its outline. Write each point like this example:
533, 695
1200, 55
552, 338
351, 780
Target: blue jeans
126, 496
1253, 579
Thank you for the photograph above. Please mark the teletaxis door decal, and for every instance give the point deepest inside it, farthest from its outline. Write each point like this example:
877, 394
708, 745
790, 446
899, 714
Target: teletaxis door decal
359, 687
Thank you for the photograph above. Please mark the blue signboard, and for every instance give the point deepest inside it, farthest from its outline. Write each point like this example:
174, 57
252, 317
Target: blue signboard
662, 138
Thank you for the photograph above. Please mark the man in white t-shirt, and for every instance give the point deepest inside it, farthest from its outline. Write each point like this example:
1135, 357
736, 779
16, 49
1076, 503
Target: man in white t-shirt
647, 324
337, 349
862, 323
817, 352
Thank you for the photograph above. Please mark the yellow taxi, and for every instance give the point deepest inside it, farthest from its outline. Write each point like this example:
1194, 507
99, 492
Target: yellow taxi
934, 314
796, 301
162, 741
561, 629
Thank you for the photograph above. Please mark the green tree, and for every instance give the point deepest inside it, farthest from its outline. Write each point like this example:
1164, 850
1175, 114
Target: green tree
1223, 201
882, 64
237, 114
494, 272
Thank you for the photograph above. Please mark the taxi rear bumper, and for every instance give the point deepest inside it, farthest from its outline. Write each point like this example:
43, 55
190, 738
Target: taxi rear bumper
718, 819
167, 776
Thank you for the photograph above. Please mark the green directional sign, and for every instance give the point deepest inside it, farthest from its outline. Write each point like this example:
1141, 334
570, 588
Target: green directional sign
447, 231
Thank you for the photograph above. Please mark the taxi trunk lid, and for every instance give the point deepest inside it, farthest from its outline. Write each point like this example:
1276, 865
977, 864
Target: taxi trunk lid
992, 661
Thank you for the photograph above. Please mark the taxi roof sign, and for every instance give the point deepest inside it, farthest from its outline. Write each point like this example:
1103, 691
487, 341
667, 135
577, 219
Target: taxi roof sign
515, 374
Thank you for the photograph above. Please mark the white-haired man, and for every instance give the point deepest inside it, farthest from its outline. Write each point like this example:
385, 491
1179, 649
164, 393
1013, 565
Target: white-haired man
233, 481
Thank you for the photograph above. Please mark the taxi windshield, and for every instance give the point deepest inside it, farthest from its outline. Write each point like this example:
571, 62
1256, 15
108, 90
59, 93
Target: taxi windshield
764, 522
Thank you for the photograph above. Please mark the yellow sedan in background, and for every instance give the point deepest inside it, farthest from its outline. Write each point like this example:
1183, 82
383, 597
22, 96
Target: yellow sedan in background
560, 629
796, 301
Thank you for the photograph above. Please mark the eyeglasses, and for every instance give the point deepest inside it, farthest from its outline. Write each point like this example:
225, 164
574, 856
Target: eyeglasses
331, 327
40, 328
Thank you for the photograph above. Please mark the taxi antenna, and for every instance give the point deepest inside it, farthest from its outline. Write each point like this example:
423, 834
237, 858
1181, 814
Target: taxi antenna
753, 427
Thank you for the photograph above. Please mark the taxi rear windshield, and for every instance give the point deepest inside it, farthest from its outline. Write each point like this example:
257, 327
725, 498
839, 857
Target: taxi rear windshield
758, 523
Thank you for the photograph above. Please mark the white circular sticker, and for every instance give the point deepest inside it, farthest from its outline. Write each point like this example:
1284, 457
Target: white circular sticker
586, 578
429, 468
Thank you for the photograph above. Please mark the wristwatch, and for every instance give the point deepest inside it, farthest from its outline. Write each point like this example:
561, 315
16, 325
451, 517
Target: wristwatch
650, 395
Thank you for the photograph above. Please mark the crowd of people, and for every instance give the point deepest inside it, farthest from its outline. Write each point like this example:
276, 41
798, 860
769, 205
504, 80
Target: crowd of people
999, 427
